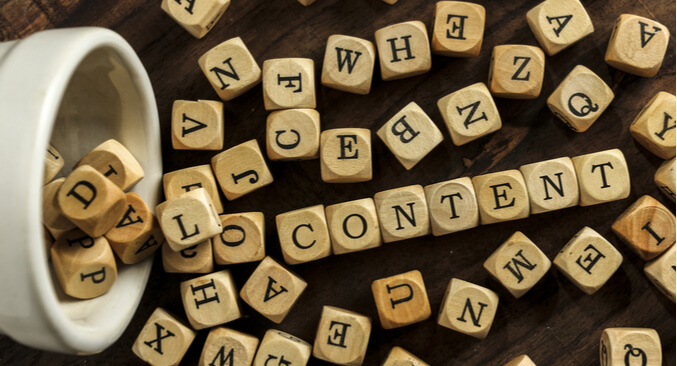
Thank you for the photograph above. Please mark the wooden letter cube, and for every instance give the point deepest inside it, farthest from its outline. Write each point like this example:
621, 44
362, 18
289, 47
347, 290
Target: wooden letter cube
348, 64
557, 24
661, 271
402, 213
518, 264
665, 178
196, 16
400, 357
280, 348
353, 226
469, 113
345, 155
230, 68
210, 300
181, 181
241, 170
403, 50
630, 346
452, 205
501, 196
272, 290
588, 260
468, 308
647, 227
516, 71
401, 300
288, 83
304, 235
552, 184
163, 340
522, 360
225, 345
55, 222
293, 134
410, 135
242, 239
458, 29
654, 127
306, 2
115, 162
197, 125
602, 177
188, 219
53, 164
637, 45
342, 336
194, 259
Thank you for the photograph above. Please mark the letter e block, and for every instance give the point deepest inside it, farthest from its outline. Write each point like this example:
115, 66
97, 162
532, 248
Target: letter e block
53, 164
55, 222
630, 346
345, 155
163, 340
402, 213
348, 64
230, 68
210, 300
522, 360
665, 178
452, 205
280, 348
342, 336
403, 50
558, 24
661, 271
288, 83
197, 125
194, 259
602, 177
398, 356
501, 196
469, 113
226, 345
353, 226
304, 235
516, 71
293, 134
242, 239
637, 45
181, 181
188, 219
468, 308
401, 300
552, 184
196, 17
458, 29
241, 170
115, 162
654, 127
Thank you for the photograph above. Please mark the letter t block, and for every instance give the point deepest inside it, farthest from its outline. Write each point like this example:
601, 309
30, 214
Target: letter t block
342, 336
602, 177
401, 300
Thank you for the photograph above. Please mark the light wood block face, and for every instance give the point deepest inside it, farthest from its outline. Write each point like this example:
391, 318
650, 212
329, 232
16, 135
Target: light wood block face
345, 155
458, 29
452, 206
196, 17
272, 290
306, 2
501, 196
241, 170
522, 360
242, 239
303, 234
390, 2
602, 177
342, 336
558, 24
588, 260
115, 162
402, 213
188, 219
403, 50
91, 201
230, 68
637, 45
194, 259
228, 347
55, 222
181, 181
353, 226
197, 125
84, 266
401, 300
210, 300
518, 264
665, 178
647, 227
552, 185
654, 127
630, 346
516, 71
137, 235
661, 271
398, 356
469, 113
468, 308
280, 348
163, 340
293, 134
410, 135
288, 83
348, 64
53, 163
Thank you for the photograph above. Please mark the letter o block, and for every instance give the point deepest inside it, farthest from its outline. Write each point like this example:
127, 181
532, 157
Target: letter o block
280, 348
661, 271
637, 45
353, 226
516, 71
197, 125
345, 155
602, 177
304, 235
501, 196
552, 184
348, 64
558, 24
242, 239
241, 170
654, 126
630, 346
403, 50
401, 300
293, 134
196, 17
188, 219
452, 206
342, 336
398, 356
468, 308
163, 340
115, 162
288, 83
210, 300
230, 68
225, 344
458, 29
402, 213
665, 178
469, 113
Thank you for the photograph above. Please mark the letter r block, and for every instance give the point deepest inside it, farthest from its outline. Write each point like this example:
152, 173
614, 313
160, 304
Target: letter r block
458, 29
230, 68
501, 196
282, 349
637, 45
468, 308
293, 134
516, 71
469, 113
196, 16
163, 340
630, 346
602, 177
197, 125
304, 235
342, 336
403, 50
402, 213
288, 83
210, 300
188, 219
241, 170
401, 300
223, 345
348, 64
558, 24
552, 184
345, 155
654, 126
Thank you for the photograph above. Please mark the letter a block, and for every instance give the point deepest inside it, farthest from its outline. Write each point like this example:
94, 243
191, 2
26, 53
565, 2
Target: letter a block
452, 205
469, 113
181, 181
210, 300
304, 235
163, 340
522, 360
661, 271
402, 213
637, 45
230, 68
558, 24
401, 300
665, 178
293, 134
468, 308
196, 17
602, 177
225, 345
348, 64
588, 260
188, 219
55, 222
288, 83
403, 50
241, 170
115, 162
501, 196
53, 164
516, 71
242, 239
280, 348
197, 125
630, 346
345, 155
552, 184
400, 357
654, 127
342, 336
353, 226
194, 259
458, 29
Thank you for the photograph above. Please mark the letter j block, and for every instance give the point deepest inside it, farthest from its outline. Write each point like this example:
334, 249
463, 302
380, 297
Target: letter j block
241, 170
401, 300
602, 177
342, 336
468, 308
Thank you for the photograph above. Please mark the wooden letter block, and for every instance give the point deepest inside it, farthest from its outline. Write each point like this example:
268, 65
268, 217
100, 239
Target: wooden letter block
588, 260
637, 45
522, 360
53, 164
654, 127
194, 259
458, 29
518, 264
468, 308
84, 266
210, 300
390, 2
630, 346
137, 235
602, 177
196, 17
348, 64
280, 348
225, 345
342, 336
181, 181
288, 83
469, 113
400, 357
552, 184
115, 162
353, 226
452, 205
230, 68
188, 219
661, 271
197, 125
55, 222
647, 227
304, 235
557, 24
272, 290
665, 178
516, 71
241, 170
501, 196
293, 134
401, 300
306, 2
242, 239
410, 135
403, 50
345, 155
163, 340
402, 213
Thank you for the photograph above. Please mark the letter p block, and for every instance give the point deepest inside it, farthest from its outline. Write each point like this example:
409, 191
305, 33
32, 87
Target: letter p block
401, 300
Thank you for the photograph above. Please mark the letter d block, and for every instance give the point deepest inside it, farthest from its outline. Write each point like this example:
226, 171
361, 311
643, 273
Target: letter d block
304, 235
402, 213
552, 184
242, 239
468, 308
458, 29
288, 83
654, 127
353, 226
197, 125
210, 300
163, 340
196, 17
348, 64
115, 162
558, 24
345, 155
403, 50
401, 300
661, 271
516, 71
400, 357
342, 336
637, 45
630, 346
230, 68
280, 348
194, 259
665, 178
225, 345
602, 177
241, 170
469, 113
188, 219
293, 134
501, 196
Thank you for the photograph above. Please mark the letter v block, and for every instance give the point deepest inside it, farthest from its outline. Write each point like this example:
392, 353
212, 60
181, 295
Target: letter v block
402, 213
163, 340
637, 45
469, 113
403, 50
602, 177
241, 170
115, 162
501, 196
342, 336
552, 184
210, 300
188, 219
282, 349
197, 125
468, 308
230, 68
458, 28
348, 64
288, 83
303, 234
228, 347
345, 155
558, 24
516, 71
654, 127
196, 16
401, 300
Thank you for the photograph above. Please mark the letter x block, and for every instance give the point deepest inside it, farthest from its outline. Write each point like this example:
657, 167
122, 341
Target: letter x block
225, 345
288, 83
558, 24
637, 45
552, 184
602, 177
210, 300
458, 28
197, 125
403, 50
241, 170
401, 300
242, 239
501, 196
280, 348
293, 134
188, 219
468, 308
522, 360
452, 205
345, 155
661, 271
194, 259
181, 181
469, 113
163, 340
654, 127
348, 64
402, 213
230, 68
400, 357
304, 235
516, 71
630, 346
115, 162
196, 17
342, 336
665, 178
53, 163
353, 226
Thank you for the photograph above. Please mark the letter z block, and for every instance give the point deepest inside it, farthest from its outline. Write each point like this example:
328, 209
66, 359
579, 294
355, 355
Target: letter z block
242, 239
558, 24
181, 181
654, 127
402, 213
230, 68
304, 235
210, 300
665, 178
353, 226
468, 308
637, 45
280, 348
602, 177
241, 170
348, 64
552, 184
293, 134
501, 196
288, 83
196, 17
194, 259
469, 113
458, 29
401, 300
163, 340
403, 50
53, 164
516, 71
197, 125
398, 356
188, 219
342, 336
226, 345
115, 162
630, 346
345, 155
452, 205
522, 360
661, 271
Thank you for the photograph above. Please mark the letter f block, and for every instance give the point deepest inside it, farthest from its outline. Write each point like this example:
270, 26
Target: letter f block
401, 300
342, 336
468, 308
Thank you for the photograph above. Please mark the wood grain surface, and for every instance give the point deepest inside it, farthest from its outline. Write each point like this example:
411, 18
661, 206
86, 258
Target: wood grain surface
555, 323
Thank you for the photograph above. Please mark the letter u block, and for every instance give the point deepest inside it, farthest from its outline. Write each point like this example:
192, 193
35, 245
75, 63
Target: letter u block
661, 271
665, 178
163, 340
196, 16
654, 126
197, 125
210, 300
452, 206
348, 64
242, 239
241, 170
630, 346
181, 181
558, 24
304, 235
194, 259
345, 155
342, 336
516, 71
288, 83
637, 45
188, 219
353, 226
469, 113
280, 348
458, 29
602, 177
402, 213
552, 184
115, 162
468, 308
401, 300
501, 196
225, 345
398, 356
403, 50
293, 134
230, 68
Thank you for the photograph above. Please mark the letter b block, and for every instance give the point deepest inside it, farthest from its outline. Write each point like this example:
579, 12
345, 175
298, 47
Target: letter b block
552, 184
557, 24
293, 134
654, 127
348, 64
345, 155
188, 219
282, 349
342, 336
230, 68
304, 235
163, 340
469, 113
288, 83
197, 17
403, 213
630, 346
602, 177
516, 71
241, 170
637, 45
458, 29
468, 308
501, 196
403, 50
210, 300
401, 300
197, 125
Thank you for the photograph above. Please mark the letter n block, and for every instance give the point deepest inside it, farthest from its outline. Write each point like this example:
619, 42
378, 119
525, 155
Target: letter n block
293, 134
225, 345
403, 50
288, 83
345, 155
353, 226
661, 271
280, 348
558, 24
501, 196
210, 300
602, 177
242, 239
398, 356
458, 29
303, 234
188, 219
402, 213
552, 184
185, 180
401, 300
348, 64
630, 346
53, 164
115, 162
637, 45
241, 170
197, 125
230, 68
194, 259
522, 360
196, 17
654, 127
516, 71
665, 178
342, 336
163, 340
468, 308
452, 206
469, 113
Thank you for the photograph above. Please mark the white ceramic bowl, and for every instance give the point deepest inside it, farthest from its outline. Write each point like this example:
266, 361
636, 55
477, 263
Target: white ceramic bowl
76, 88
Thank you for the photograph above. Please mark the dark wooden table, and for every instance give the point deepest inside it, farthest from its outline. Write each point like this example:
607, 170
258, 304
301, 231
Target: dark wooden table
555, 323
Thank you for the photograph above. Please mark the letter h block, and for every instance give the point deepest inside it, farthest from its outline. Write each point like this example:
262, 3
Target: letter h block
224, 345
197, 125
288, 83
602, 177
630, 346
403, 50
558, 24
552, 184
293, 134
348, 64
342, 336
402, 213
230, 68
468, 308
163, 340
196, 16
458, 29
282, 349
401, 300
210, 300
241, 170
345, 155
654, 126
469, 113
501, 196
637, 45
304, 235
516, 71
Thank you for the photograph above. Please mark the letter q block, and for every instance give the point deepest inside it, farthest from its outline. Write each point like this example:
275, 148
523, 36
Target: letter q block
345, 155
630, 346
342, 336
637, 45
501, 196
304, 235
401, 300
